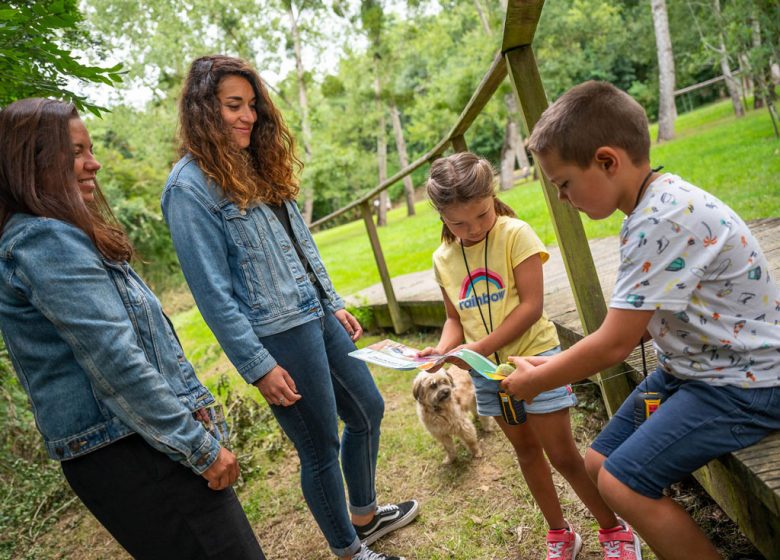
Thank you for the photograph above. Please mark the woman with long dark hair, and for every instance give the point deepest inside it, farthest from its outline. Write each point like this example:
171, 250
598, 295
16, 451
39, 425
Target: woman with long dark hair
113, 396
260, 284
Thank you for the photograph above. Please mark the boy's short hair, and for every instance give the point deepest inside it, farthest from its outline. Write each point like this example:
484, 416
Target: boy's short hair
588, 116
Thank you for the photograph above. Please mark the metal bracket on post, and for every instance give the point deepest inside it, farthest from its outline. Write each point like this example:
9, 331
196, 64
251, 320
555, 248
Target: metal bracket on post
401, 322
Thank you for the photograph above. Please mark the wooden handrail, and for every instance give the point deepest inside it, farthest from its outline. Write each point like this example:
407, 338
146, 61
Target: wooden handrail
485, 90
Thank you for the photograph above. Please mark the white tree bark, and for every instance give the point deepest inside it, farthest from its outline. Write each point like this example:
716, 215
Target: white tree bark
403, 157
667, 112
381, 148
513, 149
303, 99
725, 68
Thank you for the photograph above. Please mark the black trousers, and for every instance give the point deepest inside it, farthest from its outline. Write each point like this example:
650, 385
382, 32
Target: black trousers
157, 508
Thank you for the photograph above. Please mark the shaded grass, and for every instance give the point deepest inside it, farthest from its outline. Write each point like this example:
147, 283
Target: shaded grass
737, 160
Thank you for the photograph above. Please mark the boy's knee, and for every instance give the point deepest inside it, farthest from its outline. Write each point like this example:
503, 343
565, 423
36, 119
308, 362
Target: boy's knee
527, 454
593, 463
618, 495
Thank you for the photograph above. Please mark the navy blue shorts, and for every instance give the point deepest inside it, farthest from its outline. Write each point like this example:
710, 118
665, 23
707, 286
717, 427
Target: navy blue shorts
696, 423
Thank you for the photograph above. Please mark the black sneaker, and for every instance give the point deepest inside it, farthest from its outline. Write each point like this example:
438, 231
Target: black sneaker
366, 553
387, 519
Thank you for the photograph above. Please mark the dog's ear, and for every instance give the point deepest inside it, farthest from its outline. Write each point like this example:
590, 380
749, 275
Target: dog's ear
416, 386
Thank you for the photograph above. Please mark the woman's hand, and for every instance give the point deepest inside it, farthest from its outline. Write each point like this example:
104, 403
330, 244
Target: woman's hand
519, 383
223, 472
201, 415
350, 324
277, 387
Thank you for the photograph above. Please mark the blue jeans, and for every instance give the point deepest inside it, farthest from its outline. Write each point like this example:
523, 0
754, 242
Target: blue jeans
332, 385
695, 423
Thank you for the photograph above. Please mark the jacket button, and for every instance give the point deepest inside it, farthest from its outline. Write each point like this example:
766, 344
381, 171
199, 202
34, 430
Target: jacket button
74, 446
59, 451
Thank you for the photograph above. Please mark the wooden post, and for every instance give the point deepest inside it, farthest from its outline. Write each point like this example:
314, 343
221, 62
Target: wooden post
401, 322
459, 144
577, 258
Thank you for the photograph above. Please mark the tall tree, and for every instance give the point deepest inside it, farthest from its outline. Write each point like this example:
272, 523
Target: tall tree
37, 40
303, 100
725, 65
667, 111
403, 157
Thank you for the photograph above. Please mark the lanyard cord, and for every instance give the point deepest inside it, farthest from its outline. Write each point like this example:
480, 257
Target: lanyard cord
644, 182
474, 291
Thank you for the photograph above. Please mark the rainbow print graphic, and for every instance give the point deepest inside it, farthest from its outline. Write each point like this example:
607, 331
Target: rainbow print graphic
479, 277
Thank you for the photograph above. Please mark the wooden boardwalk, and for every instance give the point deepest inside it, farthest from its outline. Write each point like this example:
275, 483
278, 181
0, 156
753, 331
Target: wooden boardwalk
746, 484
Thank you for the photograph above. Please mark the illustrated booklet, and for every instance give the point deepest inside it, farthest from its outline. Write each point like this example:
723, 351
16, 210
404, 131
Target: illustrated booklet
394, 355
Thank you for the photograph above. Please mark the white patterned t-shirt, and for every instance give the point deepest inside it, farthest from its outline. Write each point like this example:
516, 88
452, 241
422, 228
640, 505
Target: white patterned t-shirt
687, 255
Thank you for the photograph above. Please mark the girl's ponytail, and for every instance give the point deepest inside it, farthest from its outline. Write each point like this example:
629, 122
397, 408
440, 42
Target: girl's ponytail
502, 208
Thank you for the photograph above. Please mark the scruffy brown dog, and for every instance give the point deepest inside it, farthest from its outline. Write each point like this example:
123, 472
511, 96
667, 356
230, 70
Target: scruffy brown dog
445, 402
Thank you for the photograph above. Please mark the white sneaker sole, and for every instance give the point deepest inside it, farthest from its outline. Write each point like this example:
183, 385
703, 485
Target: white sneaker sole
577, 546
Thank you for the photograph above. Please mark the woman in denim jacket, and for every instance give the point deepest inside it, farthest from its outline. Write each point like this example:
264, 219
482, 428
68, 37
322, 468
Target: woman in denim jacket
112, 393
260, 284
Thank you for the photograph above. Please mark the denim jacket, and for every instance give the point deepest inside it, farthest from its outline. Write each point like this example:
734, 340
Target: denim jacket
92, 348
242, 267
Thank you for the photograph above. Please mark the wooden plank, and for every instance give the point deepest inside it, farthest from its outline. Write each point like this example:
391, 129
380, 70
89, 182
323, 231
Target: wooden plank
522, 18
401, 323
577, 258
459, 144
743, 504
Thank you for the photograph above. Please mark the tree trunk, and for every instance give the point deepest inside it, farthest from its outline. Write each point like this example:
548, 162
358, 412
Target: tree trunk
731, 83
483, 18
757, 73
513, 148
381, 148
303, 99
403, 158
667, 112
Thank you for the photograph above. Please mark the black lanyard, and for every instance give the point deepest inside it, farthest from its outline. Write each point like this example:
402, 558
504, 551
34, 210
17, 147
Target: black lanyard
474, 291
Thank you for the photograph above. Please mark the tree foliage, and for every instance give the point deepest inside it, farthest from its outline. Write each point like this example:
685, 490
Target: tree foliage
37, 40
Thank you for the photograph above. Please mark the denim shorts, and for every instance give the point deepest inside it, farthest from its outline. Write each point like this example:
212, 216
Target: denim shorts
549, 401
695, 423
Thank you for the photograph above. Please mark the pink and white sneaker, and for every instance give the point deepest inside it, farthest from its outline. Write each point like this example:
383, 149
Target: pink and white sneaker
563, 544
620, 543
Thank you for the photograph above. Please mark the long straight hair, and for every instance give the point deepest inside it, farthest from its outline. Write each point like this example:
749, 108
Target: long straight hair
263, 172
461, 178
37, 176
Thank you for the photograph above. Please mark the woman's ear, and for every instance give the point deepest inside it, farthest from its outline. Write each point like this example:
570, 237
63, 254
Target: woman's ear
607, 159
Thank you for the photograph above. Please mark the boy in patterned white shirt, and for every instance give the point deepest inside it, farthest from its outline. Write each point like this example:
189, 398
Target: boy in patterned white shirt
692, 277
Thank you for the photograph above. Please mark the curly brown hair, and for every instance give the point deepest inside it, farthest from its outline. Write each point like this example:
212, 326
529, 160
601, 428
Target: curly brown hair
36, 174
263, 172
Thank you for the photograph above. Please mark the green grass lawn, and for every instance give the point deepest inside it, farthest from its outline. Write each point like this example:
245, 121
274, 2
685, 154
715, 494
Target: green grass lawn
737, 160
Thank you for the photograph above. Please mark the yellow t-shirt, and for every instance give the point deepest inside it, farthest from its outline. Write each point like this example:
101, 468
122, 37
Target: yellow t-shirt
510, 242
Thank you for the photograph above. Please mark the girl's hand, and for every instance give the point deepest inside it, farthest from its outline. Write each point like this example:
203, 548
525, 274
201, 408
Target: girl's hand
350, 324
277, 387
430, 351
519, 383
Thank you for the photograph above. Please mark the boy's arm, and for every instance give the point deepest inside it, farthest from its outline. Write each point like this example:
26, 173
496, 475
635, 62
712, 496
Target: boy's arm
529, 282
617, 336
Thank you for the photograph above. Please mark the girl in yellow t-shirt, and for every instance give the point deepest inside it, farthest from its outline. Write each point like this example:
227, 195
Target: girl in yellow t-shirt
489, 267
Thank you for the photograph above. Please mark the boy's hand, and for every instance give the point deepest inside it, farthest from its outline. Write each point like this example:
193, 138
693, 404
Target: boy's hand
519, 383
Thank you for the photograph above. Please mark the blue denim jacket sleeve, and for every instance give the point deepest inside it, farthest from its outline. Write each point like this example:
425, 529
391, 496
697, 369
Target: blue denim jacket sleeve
199, 239
62, 274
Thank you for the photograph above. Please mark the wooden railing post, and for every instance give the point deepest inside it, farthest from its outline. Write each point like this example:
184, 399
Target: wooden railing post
577, 258
401, 322
459, 144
